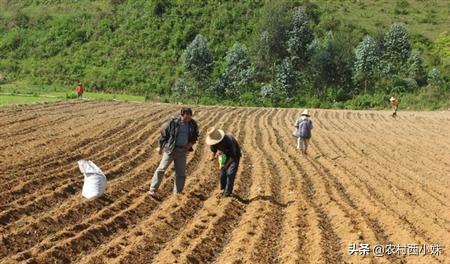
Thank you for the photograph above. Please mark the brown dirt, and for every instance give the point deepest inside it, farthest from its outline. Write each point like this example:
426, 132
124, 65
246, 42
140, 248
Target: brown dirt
368, 178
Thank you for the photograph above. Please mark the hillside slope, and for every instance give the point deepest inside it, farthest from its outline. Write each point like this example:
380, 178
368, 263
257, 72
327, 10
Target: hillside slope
137, 45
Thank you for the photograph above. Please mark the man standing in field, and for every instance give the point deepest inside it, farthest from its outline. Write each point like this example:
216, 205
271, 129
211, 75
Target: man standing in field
303, 127
225, 144
394, 103
178, 136
79, 90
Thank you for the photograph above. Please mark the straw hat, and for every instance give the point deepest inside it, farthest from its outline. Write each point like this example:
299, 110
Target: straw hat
214, 136
305, 112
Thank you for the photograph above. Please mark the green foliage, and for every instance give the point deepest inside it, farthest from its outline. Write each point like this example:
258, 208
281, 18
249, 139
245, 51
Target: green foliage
299, 48
367, 61
238, 74
300, 37
397, 49
416, 67
285, 82
272, 29
435, 79
198, 63
71, 96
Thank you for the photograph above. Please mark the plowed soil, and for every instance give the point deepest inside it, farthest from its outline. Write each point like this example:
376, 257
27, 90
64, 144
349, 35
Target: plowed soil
368, 178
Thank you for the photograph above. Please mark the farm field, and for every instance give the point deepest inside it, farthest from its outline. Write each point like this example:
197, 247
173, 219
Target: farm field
368, 179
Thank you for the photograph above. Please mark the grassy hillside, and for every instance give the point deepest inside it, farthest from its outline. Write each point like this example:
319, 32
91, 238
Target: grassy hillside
109, 44
423, 17
136, 46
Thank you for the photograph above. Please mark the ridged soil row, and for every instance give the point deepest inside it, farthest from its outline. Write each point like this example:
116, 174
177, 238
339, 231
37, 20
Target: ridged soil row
405, 142
366, 146
41, 120
176, 212
101, 152
403, 173
424, 123
352, 223
102, 227
407, 205
366, 190
324, 235
51, 147
406, 171
204, 237
124, 189
256, 236
48, 136
408, 144
292, 245
127, 157
196, 186
7, 111
53, 143
249, 227
30, 112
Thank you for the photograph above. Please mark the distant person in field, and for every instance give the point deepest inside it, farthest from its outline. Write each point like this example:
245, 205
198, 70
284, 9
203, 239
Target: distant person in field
394, 103
79, 90
303, 129
178, 136
225, 144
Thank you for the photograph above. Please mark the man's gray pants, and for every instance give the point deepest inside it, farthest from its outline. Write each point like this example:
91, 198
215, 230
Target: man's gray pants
178, 156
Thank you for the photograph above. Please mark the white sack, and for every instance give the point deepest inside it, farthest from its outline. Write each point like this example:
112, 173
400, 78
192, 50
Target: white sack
94, 179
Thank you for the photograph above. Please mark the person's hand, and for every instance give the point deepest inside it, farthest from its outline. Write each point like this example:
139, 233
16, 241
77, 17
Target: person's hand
211, 158
159, 150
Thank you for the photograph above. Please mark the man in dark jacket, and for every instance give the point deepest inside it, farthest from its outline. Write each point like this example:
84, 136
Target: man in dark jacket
178, 136
228, 145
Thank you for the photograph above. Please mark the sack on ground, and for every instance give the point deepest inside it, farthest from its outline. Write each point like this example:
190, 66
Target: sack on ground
94, 179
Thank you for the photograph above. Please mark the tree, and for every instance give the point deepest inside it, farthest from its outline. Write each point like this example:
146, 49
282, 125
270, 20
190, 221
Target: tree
367, 60
238, 72
434, 77
300, 37
331, 66
416, 68
285, 80
198, 64
271, 43
181, 87
397, 49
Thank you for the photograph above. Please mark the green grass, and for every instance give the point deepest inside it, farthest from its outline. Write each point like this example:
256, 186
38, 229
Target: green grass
120, 97
23, 93
15, 99
429, 18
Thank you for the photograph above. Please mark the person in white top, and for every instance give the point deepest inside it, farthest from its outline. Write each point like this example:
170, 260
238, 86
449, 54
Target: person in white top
303, 127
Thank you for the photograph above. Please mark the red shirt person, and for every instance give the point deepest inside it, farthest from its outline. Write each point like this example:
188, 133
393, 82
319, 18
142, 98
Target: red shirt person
79, 90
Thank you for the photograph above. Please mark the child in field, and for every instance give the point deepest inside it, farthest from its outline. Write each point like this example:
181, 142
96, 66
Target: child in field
303, 127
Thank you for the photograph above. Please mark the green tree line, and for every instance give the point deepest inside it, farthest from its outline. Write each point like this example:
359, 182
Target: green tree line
274, 53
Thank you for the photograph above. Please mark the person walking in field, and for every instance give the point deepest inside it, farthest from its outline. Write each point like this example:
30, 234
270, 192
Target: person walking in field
303, 127
227, 146
394, 103
178, 136
79, 90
